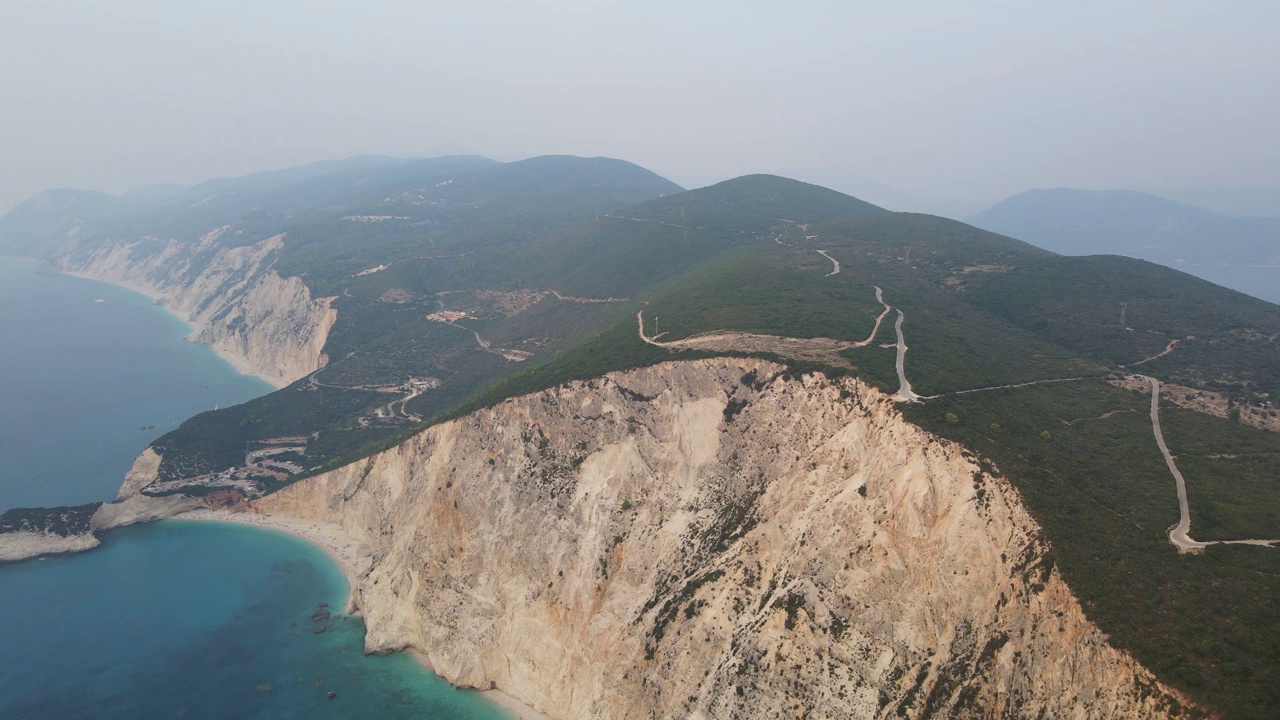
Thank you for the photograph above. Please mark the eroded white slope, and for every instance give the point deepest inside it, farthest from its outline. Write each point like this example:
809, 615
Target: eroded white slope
715, 539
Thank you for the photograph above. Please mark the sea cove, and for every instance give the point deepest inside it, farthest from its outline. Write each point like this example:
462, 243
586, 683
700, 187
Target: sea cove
173, 619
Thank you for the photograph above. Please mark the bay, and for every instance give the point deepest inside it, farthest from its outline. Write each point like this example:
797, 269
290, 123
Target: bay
177, 619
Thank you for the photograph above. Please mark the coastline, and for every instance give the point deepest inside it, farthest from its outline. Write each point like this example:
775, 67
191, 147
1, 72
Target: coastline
348, 554
351, 556
355, 559
240, 364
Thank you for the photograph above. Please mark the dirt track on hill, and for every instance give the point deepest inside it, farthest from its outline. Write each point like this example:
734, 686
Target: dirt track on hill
1179, 534
824, 350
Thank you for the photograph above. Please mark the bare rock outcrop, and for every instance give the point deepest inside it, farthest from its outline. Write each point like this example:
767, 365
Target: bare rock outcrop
16, 546
718, 539
132, 507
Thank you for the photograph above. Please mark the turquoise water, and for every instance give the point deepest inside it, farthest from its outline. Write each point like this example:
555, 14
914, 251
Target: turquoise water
175, 619
200, 620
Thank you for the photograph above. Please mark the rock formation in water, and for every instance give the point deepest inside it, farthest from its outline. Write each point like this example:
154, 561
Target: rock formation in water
265, 324
718, 539
25, 544
33, 532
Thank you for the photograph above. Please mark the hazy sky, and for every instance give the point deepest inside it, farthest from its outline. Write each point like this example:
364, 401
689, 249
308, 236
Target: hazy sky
955, 104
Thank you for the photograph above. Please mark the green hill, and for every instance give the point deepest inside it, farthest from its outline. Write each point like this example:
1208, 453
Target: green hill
460, 282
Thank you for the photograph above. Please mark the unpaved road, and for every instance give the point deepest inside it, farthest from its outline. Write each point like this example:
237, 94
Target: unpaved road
515, 355
646, 220
824, 350
879, 319
1179, 534
904, 393
1168, 349
1005, 387
833, 262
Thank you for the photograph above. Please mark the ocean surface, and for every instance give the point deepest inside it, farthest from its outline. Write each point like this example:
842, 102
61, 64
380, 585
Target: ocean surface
176, 619
86, 385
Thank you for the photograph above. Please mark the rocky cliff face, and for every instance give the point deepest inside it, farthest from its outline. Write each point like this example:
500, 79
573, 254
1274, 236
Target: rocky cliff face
264, 324
132, 507
718, 539
58, 531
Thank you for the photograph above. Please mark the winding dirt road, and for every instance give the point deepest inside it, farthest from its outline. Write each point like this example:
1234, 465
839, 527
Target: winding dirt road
834, 261
1168, 349
879, 318
1179, 534
904, 394
825, 350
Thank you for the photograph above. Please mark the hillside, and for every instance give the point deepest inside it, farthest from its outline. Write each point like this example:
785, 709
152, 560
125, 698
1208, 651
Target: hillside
1239, 252
465, 283
53, 220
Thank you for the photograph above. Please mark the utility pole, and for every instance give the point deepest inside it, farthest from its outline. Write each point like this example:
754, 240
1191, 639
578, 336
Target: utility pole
1123, 307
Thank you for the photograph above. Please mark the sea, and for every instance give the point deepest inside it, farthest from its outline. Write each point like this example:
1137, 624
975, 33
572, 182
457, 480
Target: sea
176, 619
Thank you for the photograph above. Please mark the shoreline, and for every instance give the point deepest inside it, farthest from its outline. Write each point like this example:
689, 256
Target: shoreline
351, 556
515, 708
354, 559
240, 364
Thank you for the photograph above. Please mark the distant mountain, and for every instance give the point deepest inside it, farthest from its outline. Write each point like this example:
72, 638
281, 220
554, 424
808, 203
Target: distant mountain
1242, 253
153, 193
389, 295
868, 189
52, 220
1238, 201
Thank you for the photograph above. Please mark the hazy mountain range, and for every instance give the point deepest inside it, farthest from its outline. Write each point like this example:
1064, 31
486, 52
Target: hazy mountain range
681, 393
1242, 253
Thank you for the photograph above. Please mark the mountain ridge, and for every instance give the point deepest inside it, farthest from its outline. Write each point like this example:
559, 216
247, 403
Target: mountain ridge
449, 298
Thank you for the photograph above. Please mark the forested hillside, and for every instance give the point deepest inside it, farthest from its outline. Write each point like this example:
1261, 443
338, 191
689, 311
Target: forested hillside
459, 282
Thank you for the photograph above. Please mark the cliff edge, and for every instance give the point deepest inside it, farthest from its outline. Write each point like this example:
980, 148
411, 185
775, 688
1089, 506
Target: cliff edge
262, 323
718, 538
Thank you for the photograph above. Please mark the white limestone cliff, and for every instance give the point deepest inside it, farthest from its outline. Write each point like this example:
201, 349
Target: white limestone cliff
129, 508
264, 324
132, 507
718, 539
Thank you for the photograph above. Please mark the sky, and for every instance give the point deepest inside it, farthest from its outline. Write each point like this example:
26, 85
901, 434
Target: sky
940, 106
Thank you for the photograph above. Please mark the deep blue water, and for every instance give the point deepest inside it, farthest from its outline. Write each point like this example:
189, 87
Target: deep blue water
80, 379
174, 619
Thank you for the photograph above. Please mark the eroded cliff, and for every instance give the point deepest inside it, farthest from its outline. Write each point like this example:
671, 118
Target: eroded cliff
718, 539
265, 324
34, 532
